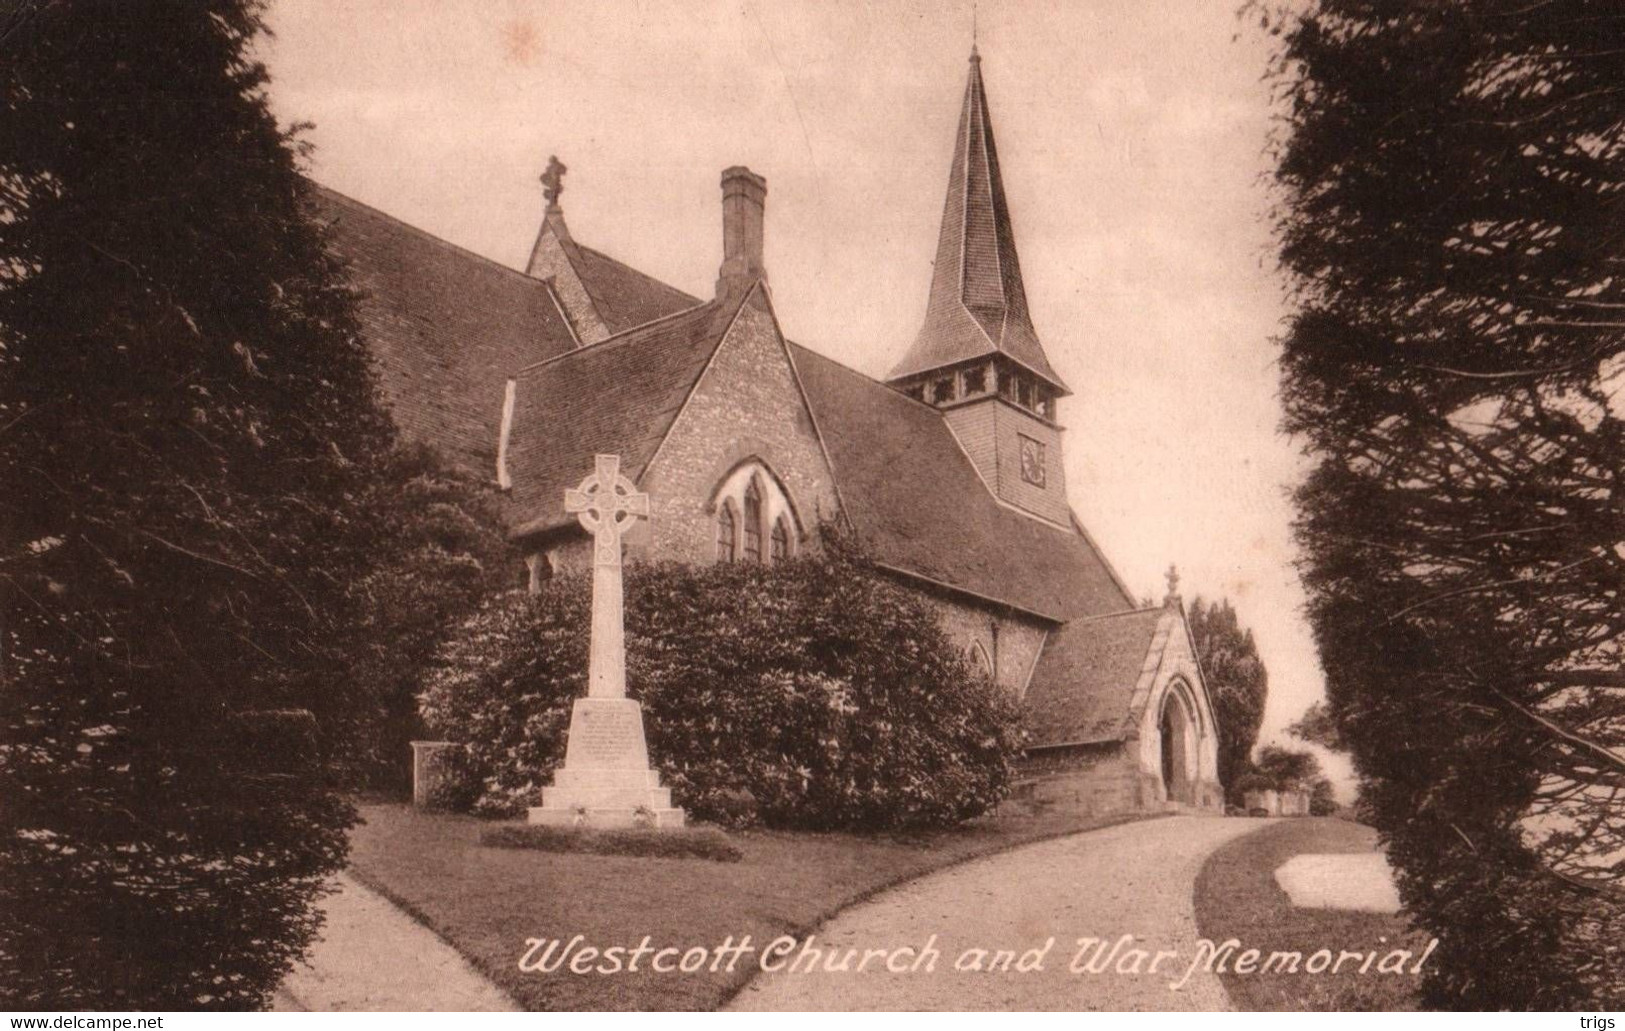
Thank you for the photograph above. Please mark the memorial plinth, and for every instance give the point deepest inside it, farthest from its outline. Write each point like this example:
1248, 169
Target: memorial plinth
606, 779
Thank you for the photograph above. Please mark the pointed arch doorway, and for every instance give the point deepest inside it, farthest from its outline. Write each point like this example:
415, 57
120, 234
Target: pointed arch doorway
1177, 727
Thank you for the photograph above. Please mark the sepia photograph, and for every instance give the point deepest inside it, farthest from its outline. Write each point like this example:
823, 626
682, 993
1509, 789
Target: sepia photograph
811, 506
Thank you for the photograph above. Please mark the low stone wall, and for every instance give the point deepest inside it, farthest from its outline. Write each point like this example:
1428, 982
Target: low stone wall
1092, 779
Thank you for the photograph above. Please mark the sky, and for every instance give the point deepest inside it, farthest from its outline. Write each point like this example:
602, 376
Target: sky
1133, 140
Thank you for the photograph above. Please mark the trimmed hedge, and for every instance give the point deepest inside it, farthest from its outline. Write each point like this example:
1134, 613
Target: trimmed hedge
685, 843
812, 694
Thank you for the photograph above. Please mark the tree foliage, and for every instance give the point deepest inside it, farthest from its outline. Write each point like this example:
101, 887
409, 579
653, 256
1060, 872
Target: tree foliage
445, 554
1317, 727
1452, 183
1287, 769
1236, 681
186, 426
812, 693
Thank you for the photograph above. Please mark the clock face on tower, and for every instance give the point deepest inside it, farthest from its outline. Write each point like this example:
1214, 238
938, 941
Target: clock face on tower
1032, 460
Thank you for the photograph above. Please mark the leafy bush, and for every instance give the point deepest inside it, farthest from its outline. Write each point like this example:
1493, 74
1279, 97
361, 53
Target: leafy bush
812, 694
687, 843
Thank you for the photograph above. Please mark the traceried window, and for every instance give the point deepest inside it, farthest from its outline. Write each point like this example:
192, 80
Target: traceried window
779, 544
755, 518
976, 380
942, 391
753, 524
727, 534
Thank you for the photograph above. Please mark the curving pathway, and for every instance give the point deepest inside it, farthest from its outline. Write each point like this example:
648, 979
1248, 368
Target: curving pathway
373, 957
1135, 879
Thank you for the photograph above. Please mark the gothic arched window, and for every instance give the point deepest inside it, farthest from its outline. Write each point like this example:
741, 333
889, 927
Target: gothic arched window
979, 660
779, 544
727, 534
753, 523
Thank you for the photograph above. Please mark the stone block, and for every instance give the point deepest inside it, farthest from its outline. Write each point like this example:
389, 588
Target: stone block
606, 780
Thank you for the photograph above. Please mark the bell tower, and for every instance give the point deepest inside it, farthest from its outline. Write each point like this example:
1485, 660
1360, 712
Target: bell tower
977, 356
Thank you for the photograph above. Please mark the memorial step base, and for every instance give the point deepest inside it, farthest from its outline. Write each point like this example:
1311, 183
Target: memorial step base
605, 796
609, 818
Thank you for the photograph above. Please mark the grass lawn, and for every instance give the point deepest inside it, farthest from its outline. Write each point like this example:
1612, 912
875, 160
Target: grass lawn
487, 901
1237, 897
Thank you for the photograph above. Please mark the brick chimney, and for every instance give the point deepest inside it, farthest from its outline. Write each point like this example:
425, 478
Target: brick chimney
744, 198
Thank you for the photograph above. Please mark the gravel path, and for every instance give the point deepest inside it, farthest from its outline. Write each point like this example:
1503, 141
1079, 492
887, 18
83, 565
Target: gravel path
373, 957
1134, 879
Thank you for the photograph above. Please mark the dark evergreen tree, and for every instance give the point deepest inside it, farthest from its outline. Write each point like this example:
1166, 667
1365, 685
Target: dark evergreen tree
1237, 683
1452, 183
188, 421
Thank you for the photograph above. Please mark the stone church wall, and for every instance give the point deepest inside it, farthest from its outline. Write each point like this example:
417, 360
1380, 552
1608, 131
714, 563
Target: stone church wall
1097, 778
548, 261
747, 405
1011, 643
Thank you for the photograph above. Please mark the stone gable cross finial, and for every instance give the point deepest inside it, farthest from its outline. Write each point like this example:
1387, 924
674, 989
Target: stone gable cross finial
607, 503
553, 181
1173, 584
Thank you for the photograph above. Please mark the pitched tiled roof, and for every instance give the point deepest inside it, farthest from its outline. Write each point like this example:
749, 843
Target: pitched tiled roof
917, 503
978, 303
448, 327
618, 396
623, 296
1082, 689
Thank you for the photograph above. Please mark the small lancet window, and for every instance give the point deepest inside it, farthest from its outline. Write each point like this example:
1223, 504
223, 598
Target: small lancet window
1024, 392
779, 543
979, 660
753, 524
726, 534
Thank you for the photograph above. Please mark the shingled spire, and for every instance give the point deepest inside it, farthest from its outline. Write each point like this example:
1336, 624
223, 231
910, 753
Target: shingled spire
977, 358
978, 305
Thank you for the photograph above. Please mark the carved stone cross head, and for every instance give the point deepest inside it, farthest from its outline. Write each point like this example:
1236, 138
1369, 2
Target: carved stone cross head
606, 503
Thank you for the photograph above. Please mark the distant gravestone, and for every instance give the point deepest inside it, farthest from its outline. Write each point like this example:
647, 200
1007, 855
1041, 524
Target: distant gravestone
428, 771
606, 780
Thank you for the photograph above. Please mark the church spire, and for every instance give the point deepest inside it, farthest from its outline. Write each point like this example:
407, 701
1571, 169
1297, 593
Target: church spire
978, 304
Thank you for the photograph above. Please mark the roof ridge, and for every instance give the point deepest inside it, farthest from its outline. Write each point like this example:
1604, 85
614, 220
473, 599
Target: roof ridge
618, 338
637, 272
1153, 610
933, 409
419, 231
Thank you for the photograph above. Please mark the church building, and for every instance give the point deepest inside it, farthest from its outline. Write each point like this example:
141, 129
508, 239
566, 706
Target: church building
948, 472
